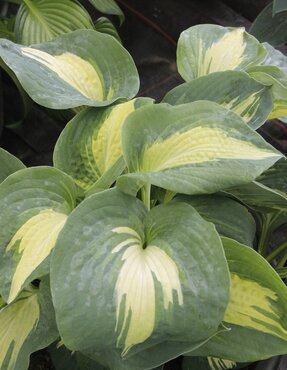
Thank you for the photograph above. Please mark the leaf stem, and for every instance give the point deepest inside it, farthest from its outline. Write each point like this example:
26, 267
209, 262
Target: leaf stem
265, 221
277, 251
145, 192
282, 262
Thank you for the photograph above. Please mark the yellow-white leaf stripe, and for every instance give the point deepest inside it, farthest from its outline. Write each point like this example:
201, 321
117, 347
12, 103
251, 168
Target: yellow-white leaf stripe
16, 323
225, 54
246, 108
107, 145
37, 237
220, 364
77, 72
135, 288
200, 144
251, 306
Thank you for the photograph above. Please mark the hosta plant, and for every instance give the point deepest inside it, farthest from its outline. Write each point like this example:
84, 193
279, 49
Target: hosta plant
140, 244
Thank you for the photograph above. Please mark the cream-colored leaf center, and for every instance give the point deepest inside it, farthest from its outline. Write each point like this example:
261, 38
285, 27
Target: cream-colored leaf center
225, 54
77, 72
136, 295
107, 145
200, 144
37, 237
254, 306
16, 323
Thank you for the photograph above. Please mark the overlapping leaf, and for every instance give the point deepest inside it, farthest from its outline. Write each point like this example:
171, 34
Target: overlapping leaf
238, 92
256, 313
35, 204
208, 48
108, 7
84, 67
8, 164
269, 28
268, 193
104, 25
27, 325
230, 218
43, 20
277, 80
193, 148
139, 279
89, 148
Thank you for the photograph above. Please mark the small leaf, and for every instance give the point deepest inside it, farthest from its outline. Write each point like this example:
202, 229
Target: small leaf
104, 25
269, 28
256, 313
40, 21
35, 204
8, 164
27, 325
277, 80
141, 280
193, 148
108, 7
90, 145
208, 48
230, 218
72, 70
259, 197
250, 99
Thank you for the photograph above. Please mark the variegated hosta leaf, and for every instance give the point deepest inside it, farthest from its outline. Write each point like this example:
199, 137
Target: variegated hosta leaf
35, 204
193, 148
230, 218
277, 80
90, 145
8, 164
139, 279
257, 310
43, 20
209, 363
238, 92
27, 325
84, 67
209, 48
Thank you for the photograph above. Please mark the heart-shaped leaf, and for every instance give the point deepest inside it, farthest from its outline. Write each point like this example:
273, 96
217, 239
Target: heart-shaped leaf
192, 148
209, 48
73, 70
35, 204
250, 99
139, 279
